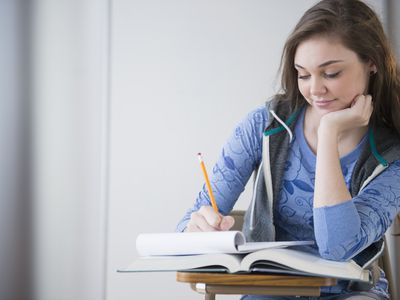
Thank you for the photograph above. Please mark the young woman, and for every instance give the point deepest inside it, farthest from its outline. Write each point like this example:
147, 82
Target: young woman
326, 149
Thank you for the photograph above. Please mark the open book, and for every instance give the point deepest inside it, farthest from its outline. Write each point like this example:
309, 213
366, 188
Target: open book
160, 253
188, 243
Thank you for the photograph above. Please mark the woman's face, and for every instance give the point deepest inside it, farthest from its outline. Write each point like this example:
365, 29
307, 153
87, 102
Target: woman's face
330, 75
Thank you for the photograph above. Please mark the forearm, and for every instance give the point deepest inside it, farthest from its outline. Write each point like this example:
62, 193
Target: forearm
336, 220
330, 187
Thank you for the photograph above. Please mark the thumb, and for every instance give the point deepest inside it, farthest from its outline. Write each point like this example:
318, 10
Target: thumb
226, 223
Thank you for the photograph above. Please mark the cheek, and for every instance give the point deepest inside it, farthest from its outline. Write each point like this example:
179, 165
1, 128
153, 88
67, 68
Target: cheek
303, 88
352, 85
348, 90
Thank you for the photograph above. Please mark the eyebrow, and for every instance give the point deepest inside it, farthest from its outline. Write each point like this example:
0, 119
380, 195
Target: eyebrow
327, 63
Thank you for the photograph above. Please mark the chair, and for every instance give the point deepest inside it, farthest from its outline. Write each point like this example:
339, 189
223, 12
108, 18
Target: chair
390, 261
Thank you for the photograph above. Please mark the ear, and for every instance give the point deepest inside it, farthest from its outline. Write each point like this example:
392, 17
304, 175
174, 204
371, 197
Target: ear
372, 68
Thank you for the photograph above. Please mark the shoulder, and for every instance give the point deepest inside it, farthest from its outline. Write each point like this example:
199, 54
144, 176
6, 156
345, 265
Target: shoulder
252, 126
259, 114
387, 181
392, 171
281, 106
260, 117
383, 192
255, 118
277, 104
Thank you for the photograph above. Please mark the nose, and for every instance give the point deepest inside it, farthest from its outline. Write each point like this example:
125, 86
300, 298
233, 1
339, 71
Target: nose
317, 87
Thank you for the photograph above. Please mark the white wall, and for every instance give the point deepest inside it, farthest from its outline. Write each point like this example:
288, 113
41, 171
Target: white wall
69, 129
183, 74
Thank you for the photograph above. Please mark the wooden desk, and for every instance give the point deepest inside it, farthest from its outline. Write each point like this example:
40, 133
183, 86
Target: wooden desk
211, 284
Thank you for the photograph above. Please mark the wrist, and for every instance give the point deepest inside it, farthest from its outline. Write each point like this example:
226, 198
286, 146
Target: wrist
327, 130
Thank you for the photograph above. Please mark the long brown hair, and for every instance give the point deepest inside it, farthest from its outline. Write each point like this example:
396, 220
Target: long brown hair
359, 29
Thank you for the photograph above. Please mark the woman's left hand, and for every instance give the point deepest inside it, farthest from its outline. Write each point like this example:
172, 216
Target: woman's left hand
357, 115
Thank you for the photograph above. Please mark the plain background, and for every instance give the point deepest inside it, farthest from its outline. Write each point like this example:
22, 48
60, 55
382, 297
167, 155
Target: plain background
104, 106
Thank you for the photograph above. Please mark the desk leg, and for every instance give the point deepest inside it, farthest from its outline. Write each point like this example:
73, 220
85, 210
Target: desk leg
209, 296
202, 288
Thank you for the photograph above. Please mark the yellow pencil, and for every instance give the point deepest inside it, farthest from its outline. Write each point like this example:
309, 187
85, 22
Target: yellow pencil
203, 168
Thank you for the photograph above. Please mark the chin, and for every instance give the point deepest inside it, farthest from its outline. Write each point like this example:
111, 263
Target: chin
322, 113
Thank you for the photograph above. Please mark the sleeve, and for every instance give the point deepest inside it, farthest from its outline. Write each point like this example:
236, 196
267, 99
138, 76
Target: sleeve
240, 155
344, 230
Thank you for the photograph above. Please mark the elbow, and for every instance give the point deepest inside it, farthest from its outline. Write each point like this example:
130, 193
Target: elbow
338, 231
333, 254
341, 250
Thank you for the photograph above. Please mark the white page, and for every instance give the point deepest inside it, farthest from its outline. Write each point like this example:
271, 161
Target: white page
309, 263
250, 247
219, 261
188, 243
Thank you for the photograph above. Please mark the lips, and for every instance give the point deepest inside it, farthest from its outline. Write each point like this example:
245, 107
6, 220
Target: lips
324, 103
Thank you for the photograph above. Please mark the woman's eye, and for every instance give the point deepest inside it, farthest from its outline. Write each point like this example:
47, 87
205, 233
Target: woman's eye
303, 77
332, 75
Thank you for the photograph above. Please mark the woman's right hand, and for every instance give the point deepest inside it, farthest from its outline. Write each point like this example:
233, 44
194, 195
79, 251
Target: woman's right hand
355, 116
206, 219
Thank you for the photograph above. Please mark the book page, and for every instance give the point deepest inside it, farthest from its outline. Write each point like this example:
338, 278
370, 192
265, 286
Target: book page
306, 262
217, 262
251, 247
188, 243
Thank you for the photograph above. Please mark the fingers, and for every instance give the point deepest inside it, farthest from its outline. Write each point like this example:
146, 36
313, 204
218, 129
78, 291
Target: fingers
206, 219
368, 108
198, 222
362, 107
355, 116
211, 217
362, 101
227, 223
